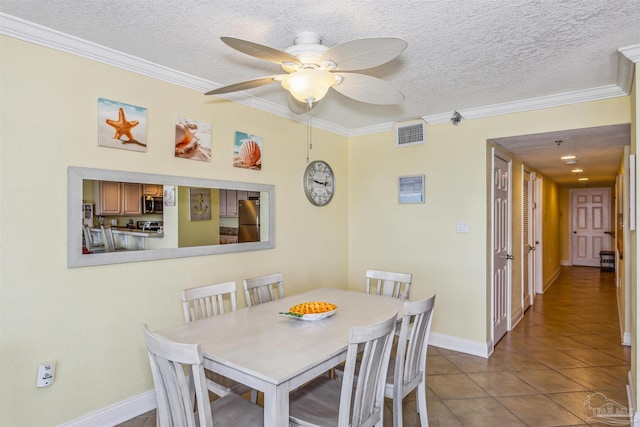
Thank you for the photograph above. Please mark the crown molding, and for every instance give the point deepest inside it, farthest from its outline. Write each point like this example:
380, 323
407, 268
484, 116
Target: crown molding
44, 36
566, 98
34, 33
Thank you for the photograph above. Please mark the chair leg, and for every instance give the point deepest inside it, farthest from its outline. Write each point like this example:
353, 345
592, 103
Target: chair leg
397, 411
421, 392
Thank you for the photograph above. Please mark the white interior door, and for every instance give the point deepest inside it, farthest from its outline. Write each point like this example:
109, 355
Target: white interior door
527, 240
590, 219
501, 246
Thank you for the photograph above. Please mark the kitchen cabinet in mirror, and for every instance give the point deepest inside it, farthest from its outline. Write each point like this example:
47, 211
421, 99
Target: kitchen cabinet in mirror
171, 232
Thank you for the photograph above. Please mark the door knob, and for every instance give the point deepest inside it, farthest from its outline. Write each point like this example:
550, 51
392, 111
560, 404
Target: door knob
532, 248
510, 257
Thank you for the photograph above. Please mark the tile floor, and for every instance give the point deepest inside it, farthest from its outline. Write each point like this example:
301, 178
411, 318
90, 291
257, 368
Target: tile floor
561, 362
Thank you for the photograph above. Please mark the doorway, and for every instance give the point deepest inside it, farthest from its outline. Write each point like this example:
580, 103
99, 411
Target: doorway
528, 248
501, 245
590, 221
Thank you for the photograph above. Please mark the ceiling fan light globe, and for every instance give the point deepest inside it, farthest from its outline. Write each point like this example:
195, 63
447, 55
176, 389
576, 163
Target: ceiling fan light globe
308, 85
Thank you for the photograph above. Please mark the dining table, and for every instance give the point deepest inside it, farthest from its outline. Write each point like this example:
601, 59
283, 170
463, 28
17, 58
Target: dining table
275, 353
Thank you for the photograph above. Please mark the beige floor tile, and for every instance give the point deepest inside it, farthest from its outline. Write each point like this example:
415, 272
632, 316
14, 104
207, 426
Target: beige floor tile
593, 378
549, 381
439, 416
502, 384
557, 359
539, 411
481, 412
596, 357
441, 365
454, 386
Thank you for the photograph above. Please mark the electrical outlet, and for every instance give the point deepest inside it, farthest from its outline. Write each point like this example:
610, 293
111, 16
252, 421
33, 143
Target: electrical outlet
46, 374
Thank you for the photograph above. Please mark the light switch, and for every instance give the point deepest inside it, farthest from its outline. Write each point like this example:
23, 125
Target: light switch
462, 227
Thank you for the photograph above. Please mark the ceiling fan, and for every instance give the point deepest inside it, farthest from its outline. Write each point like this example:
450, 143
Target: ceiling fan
311, 69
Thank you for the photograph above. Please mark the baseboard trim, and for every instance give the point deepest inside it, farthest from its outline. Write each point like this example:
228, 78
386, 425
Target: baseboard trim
565, 263
462, 345
516, 318
553, 278
116, 413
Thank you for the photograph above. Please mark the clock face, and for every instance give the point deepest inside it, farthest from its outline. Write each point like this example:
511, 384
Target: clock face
319, 183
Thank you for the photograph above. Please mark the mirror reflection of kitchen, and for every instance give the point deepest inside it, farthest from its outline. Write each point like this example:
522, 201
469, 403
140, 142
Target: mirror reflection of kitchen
121, 216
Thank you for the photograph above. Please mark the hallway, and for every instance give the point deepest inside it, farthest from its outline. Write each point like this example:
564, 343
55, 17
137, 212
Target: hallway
565, 349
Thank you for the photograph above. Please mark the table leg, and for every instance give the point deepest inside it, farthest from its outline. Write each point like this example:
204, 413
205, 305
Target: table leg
276, 405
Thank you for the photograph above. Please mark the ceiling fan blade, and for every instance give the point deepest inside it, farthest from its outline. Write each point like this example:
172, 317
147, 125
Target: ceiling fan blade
364, 53
260, 51
249, 84
297, 107
371, 90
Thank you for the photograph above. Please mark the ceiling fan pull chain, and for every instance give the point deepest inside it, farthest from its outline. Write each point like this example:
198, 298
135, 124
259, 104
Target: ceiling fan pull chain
309, 144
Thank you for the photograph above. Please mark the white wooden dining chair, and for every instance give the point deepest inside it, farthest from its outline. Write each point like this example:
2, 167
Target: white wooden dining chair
107, 237
89, 243
358, 399
209, 300
178, 393
260, 289
407, 369
387, 283
206, 301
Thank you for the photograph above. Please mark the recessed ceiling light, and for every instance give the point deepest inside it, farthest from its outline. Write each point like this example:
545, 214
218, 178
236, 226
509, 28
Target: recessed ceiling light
576, 170
567, 157
570, 162
583, 179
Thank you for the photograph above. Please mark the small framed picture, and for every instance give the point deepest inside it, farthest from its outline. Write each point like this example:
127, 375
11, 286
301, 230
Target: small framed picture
169, 195
199, 204
411, 189
122, 125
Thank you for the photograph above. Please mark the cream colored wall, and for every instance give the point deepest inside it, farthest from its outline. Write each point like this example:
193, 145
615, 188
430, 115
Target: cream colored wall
565, 224
90, 319
550, 232
422, 238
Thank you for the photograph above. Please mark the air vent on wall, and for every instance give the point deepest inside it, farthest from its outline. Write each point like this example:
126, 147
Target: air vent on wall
410, 133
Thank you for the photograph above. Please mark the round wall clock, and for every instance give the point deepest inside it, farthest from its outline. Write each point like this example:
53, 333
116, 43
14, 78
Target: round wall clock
319, 183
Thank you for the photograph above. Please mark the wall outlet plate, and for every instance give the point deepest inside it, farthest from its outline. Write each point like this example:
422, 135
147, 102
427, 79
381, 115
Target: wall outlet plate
46, 374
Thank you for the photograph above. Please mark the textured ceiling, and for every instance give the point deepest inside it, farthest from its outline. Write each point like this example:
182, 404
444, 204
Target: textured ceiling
461, 55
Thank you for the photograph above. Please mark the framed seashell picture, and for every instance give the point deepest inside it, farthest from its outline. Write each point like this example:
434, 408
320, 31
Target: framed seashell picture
247, 151
193, 139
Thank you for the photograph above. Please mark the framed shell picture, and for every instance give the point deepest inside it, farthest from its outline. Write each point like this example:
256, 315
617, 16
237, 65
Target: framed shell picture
247, 151
122, 125
193, 139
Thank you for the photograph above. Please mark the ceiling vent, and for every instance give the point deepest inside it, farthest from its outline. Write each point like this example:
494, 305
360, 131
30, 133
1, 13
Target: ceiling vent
410, 133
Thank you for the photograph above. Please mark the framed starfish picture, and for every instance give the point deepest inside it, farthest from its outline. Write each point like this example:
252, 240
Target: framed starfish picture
122, 125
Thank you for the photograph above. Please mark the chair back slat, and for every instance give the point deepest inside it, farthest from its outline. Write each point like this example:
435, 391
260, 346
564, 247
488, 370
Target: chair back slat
387, 283
107, 237
261, 289
411, 351
210, 300
368, 373
177, 396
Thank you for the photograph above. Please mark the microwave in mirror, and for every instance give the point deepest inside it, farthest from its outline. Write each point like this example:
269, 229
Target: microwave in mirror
152, 204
